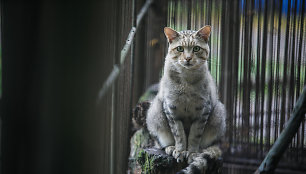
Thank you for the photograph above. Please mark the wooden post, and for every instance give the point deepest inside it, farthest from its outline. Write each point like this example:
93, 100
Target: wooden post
139, 56
56, 55
156, 41
150, 47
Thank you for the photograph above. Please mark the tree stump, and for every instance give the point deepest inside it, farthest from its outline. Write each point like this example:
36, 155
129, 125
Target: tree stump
153, 160
146, 159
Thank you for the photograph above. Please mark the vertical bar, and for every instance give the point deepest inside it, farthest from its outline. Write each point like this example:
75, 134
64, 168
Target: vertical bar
189, 5
284, 88
263, 66
120, 96
195, 15
157, 20
228, 68
132, 101
250, 66
300, 46
112, 133
201, 13
301, 151
236, 69
218, 26
181, 7
277, 86
175, 13
293, 73
241, 61
208, 22
219, 13
271, 73
292, 57
246, 77
257, 77
140, 63
132, 57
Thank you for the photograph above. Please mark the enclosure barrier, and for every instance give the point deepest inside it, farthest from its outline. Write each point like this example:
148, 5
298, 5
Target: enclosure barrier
116, 70
281, 144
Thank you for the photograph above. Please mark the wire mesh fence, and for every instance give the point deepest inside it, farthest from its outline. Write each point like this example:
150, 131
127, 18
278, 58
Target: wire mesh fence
258, 61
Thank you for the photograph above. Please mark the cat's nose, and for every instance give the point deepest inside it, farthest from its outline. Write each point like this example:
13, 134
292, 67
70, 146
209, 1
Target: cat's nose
188, 59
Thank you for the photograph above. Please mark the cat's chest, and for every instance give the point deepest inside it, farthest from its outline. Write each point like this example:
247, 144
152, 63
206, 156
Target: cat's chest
185, 101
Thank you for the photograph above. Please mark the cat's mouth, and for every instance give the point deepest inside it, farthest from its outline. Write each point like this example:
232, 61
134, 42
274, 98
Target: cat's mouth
188, 64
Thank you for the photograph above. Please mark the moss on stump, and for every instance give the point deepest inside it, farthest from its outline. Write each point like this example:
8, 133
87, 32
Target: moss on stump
145, 159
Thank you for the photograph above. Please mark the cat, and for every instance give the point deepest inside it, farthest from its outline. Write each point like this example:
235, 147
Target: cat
186, 116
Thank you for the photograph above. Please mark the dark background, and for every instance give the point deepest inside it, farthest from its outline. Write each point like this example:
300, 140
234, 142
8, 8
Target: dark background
56, 54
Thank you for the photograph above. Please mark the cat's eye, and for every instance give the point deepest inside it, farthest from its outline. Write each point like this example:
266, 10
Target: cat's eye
196, 49
180, 49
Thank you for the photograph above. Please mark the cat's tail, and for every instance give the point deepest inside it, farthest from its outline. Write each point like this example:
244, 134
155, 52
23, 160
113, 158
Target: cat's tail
139, 115
140, 111
199, 162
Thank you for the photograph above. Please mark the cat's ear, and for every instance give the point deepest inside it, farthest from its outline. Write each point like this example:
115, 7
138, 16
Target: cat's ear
204, 32
170, 34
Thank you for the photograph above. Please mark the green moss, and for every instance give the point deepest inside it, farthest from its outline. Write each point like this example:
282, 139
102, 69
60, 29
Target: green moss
140, 153
154, 160
138, 139
146, 96
147, 163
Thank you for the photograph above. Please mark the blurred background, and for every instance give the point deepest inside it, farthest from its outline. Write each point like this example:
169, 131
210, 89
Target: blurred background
57, 54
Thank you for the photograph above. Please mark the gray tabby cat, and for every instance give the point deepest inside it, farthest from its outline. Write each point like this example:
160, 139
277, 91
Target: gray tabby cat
186, 116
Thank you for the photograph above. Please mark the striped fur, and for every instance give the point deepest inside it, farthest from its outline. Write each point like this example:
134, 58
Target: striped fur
186, 115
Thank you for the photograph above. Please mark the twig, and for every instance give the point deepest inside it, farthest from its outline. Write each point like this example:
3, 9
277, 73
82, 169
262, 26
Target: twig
270, 162
117, 68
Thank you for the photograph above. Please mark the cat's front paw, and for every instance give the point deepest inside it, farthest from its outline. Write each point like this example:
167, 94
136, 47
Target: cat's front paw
169, 150
191, 156
179, 155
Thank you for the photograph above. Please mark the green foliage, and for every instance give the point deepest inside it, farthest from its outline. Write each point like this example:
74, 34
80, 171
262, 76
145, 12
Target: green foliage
146, 96
141, 140
147, 163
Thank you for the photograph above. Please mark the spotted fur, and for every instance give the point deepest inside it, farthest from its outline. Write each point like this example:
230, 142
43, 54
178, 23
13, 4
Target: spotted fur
186, 115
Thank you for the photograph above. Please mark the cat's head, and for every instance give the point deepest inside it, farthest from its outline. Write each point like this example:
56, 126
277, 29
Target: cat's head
188, 49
